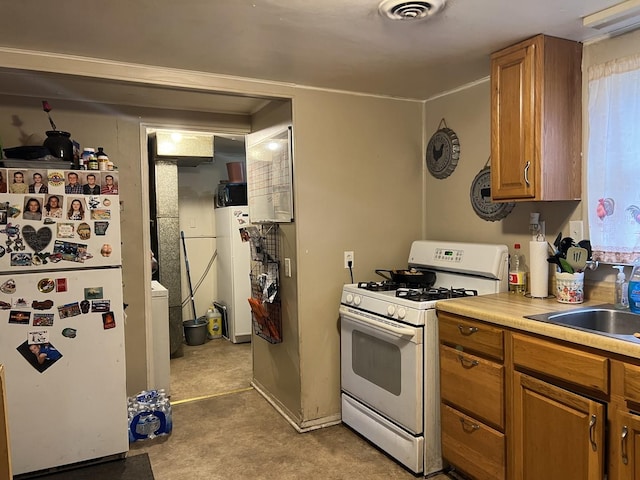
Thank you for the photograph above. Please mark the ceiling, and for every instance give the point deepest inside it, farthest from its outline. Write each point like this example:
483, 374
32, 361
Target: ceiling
334, 44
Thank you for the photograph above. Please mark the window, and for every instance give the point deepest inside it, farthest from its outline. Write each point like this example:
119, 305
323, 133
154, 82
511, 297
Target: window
613, 177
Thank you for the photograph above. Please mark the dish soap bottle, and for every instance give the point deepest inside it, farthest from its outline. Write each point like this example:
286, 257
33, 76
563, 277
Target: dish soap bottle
518, 273
622, 289
634, 287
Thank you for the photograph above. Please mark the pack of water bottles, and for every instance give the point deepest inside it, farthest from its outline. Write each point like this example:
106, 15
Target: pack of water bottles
149, 415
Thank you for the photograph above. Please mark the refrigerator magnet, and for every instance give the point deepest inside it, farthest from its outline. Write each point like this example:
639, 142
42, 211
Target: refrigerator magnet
100, 214
106, 202
100, 305
40, 355
84, 306
61, 285
65, 230
8, 286
69, 332
69, 310
106, 250
93, 293
4, 305
37, 240
19, 317
21, 259
46, 285
20, 302
44, 305
84, 231
43, 319
37, 336
2, 251
55, 178
100, 227
108, 320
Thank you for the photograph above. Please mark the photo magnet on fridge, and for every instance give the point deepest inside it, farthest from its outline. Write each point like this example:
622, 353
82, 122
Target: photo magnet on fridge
43, 319
69, 310
108, 320
40, 355
19, 317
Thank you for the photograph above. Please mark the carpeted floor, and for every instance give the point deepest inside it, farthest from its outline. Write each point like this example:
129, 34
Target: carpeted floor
136, 467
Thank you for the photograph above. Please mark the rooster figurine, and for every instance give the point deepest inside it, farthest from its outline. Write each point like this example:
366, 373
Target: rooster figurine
605, 207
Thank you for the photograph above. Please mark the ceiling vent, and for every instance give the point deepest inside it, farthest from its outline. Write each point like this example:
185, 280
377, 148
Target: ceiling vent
616, 20
398, 10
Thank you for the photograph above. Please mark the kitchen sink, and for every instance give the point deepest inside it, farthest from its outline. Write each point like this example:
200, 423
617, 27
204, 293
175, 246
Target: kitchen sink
601, 319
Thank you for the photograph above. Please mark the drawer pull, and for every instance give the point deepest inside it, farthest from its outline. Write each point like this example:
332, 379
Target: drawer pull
466, 363
623, 449
592, 428
526, 173
466, 331
469, 426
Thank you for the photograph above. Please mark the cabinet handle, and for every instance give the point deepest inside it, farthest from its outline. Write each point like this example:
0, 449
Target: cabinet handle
625, 433
592, 429
468, 426
526, 173
466, 363
466, 331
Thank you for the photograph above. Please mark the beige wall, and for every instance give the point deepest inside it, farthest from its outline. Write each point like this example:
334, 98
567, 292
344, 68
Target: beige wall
449, 215
358, 175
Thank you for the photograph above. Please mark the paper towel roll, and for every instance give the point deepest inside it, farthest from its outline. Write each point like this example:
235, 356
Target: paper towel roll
539, 269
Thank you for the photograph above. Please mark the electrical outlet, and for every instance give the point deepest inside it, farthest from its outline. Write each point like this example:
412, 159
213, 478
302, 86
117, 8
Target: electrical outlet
348, 257
576, 230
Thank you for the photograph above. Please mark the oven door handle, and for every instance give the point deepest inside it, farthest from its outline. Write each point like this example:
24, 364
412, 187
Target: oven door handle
385, 327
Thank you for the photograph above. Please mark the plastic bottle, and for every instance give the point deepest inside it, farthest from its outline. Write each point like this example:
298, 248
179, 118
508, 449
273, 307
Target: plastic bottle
214, 328
103, 159
89, 158
517, 272
634, 287
622, 289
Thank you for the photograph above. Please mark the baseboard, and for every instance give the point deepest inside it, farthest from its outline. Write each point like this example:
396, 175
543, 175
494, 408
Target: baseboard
300, 426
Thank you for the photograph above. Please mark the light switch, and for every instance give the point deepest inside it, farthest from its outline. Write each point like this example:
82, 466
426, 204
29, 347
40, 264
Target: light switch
287, 267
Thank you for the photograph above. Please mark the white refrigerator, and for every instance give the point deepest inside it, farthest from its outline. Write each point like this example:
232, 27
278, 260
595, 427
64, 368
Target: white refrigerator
233, 270
62, 319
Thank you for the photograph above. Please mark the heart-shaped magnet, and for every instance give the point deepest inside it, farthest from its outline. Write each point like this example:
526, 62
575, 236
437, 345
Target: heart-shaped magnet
37, 240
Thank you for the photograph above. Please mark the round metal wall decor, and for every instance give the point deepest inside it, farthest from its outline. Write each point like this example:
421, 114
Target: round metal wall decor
443, 152
480, 195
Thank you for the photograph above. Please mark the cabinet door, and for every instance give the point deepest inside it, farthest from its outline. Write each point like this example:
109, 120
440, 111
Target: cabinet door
513, 155
625, 447
558, 435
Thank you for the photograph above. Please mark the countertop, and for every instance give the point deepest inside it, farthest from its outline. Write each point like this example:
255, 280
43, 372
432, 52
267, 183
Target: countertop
508, 310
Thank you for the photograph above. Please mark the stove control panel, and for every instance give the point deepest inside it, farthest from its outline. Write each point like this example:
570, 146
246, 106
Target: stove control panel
448, 255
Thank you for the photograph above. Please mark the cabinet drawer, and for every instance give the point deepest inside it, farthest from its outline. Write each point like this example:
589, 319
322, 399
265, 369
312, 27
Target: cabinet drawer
471, 446
473, 384
568, 364
632, 382
471, 335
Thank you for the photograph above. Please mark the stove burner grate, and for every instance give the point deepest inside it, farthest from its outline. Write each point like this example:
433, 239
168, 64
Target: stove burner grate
436, 293
385, 286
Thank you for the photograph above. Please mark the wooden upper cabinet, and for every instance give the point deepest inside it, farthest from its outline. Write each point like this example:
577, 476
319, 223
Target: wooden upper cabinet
536, 121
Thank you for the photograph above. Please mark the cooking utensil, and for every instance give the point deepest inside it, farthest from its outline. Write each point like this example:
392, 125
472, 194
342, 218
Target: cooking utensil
565, 244
577, 257
586, 244
423, 278
556, 242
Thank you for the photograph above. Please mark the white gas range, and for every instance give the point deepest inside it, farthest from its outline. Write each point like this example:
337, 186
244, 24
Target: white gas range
389, 345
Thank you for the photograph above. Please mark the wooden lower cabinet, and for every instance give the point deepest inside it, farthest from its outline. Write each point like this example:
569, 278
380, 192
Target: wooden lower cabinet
558, 435
624, 440
476, 449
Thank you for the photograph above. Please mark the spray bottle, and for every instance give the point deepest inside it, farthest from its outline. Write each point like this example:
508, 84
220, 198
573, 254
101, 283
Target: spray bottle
622, 289
634, 287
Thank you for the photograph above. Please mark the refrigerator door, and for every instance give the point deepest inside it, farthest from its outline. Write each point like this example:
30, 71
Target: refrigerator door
62, 346
54, 230
234, 267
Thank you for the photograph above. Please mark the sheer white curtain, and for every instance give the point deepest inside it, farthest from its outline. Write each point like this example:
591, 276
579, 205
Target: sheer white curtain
613, 162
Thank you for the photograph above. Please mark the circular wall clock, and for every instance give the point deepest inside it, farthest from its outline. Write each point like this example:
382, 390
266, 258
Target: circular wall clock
443, 152
480, 195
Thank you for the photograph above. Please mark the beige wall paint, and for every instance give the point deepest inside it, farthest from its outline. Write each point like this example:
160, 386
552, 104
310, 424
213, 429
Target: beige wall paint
358, 174
449, 215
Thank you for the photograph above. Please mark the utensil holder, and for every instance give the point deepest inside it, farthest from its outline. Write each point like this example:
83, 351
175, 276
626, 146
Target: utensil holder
570, 287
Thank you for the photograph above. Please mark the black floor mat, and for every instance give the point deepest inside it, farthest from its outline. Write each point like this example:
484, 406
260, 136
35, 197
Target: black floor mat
136, 467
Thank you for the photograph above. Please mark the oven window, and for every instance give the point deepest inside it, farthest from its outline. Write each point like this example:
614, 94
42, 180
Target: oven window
377, 361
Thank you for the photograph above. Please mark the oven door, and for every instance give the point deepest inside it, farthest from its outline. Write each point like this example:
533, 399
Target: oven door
382, 366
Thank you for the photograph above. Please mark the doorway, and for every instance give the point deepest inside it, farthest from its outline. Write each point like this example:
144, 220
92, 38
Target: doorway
182, 189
